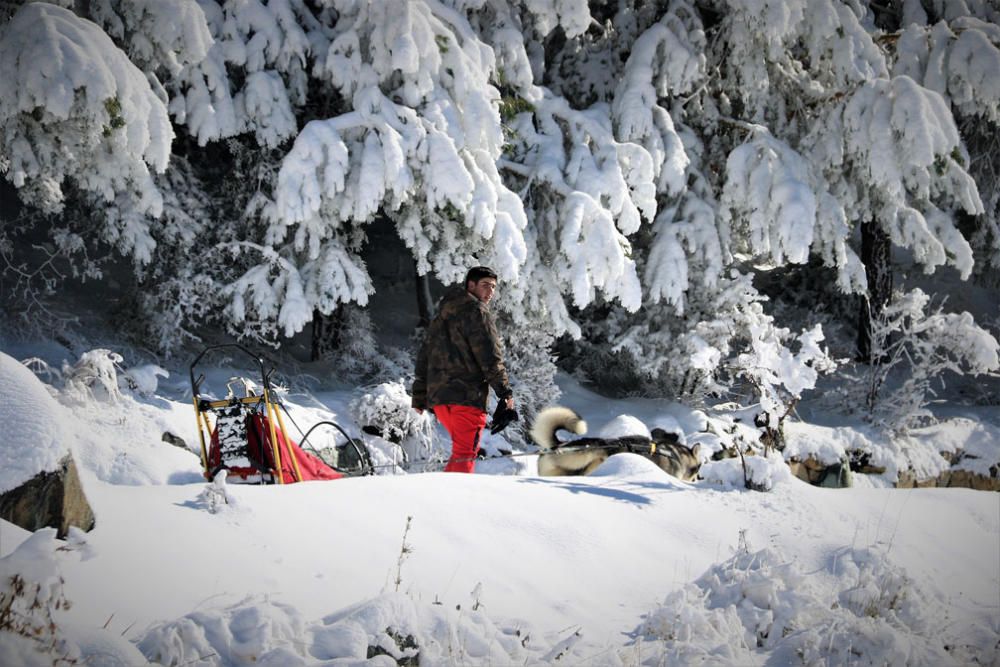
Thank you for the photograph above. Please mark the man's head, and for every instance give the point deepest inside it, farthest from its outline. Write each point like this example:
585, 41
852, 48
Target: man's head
481, 282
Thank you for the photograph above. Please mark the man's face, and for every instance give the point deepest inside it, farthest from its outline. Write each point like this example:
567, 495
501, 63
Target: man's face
483, 289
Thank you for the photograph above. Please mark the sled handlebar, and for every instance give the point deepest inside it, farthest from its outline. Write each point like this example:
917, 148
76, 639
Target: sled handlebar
196, 383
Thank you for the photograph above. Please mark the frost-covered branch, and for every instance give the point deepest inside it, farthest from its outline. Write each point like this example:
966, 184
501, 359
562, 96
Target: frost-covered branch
779, 376
606, 188
777, 209
73, 108
925, 346
667, 60
892, 152
420, 143
280, 293
958, 60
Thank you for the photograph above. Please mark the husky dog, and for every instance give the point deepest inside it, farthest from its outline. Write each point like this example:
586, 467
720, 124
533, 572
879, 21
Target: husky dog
584, 455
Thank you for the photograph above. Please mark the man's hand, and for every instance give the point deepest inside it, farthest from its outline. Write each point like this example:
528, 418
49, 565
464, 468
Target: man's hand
504, 415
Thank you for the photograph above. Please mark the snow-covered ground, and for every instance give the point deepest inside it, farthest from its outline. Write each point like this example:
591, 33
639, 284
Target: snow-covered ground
629, 566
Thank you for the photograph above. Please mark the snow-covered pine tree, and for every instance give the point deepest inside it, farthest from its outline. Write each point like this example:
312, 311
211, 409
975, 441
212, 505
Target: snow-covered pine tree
295, 125
802, 132
628, 167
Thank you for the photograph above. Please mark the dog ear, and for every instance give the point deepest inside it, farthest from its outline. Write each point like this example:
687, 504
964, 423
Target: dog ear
695, 450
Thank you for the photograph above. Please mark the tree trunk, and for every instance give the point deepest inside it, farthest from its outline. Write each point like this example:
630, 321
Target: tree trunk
326, 330
876, 250
424, 300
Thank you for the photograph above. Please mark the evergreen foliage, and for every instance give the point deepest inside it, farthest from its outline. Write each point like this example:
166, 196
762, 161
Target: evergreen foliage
627, 167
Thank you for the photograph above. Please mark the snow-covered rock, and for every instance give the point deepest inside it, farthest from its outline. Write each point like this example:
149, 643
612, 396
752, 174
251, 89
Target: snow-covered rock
39, 483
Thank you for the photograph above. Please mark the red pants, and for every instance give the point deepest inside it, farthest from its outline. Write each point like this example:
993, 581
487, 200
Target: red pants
464, 424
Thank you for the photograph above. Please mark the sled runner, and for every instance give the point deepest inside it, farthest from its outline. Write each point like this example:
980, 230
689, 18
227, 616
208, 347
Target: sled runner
244, 433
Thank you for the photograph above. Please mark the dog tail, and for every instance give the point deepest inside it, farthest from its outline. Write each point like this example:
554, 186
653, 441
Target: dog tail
553, 419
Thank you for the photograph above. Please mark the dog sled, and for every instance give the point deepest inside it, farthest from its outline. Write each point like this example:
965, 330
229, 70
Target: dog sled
244, 434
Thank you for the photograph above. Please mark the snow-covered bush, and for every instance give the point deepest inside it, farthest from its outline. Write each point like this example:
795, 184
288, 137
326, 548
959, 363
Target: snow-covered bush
384, 411
655, 353
923, 346
94, 376
779, 376
142, 379
386, 406
100, 375
392, 628
866, 610
31, 593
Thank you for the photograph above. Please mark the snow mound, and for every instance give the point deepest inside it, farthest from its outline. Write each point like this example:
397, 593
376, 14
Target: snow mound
98, 646
144, 379
21, 650
628, 465
31, 592
34, 436
762, 473
251, 631
623, 425
389, 629
865, 610
974, 444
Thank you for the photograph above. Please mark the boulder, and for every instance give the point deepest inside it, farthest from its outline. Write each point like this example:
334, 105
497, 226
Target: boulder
955, 477
971, 480
907, 479
51, 498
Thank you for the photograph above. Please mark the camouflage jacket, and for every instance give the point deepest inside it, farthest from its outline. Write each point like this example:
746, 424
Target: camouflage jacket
461, 357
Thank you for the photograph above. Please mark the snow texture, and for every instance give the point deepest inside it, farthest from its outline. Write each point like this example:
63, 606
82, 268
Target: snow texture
36, 439
408, 564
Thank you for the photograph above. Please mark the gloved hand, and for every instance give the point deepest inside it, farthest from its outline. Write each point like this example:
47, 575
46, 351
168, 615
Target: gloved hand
502, 417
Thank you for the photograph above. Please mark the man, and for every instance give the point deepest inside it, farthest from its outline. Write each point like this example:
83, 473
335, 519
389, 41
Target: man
458, 362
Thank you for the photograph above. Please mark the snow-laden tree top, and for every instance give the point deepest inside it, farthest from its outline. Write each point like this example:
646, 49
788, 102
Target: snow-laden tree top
636, 159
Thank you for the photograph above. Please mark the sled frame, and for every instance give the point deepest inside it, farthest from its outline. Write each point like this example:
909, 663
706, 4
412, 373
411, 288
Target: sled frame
248, 405
268, 407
